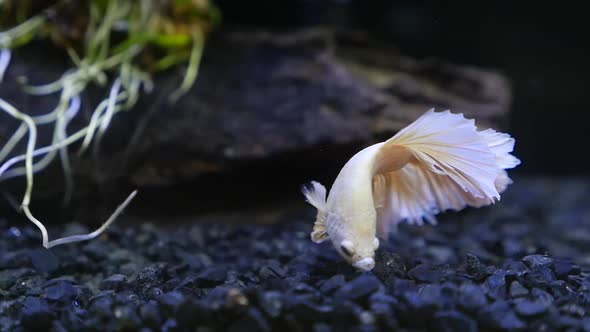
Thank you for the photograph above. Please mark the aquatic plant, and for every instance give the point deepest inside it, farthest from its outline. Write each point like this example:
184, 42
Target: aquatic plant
129, 41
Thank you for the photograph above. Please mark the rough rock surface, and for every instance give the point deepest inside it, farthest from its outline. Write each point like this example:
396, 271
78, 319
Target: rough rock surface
261, 95
521, 265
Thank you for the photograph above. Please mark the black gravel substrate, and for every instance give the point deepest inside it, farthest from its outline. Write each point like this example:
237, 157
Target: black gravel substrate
519, 265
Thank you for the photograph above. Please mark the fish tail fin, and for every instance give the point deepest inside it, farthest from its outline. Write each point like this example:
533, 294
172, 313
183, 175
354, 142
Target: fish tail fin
449, 144
440, 162
502, 146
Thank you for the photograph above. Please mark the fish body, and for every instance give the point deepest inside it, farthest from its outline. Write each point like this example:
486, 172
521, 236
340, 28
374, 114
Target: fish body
440, 162
352, 215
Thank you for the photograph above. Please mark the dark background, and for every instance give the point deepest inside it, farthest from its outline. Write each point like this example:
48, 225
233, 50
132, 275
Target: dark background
542, 48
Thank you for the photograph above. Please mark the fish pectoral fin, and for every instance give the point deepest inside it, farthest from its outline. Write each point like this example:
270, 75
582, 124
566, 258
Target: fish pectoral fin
315, 194
319, 233
318, 236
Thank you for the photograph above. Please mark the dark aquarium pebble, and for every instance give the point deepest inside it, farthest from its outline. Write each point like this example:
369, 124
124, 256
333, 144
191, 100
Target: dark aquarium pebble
514, 266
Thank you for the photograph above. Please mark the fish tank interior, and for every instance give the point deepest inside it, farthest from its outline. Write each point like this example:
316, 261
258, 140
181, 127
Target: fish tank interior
156, 158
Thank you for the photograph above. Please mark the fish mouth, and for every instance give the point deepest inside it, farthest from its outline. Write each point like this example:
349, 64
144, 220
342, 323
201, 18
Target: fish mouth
366, 264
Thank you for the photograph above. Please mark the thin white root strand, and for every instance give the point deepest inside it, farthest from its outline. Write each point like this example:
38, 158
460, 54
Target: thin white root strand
82, 133
32, 129
62, 118
40, 151
11, 110
110, 110
100, 230
95, 121
123, 95
13, 141
37, 222
63, 151
5, 55
22, 130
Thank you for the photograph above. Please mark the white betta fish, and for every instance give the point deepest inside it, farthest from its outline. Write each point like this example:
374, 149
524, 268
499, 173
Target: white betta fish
439, 162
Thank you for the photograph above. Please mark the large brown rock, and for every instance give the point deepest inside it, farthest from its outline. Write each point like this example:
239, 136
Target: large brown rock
260, 95
267, 102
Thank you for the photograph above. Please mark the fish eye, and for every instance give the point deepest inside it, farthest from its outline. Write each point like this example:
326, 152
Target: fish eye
346, 251
347, 248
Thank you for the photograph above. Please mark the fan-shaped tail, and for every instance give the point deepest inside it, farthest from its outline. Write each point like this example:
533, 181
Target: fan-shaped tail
452, 165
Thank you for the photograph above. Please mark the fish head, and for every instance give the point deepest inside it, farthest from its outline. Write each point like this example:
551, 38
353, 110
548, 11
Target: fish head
356, 246
359, 254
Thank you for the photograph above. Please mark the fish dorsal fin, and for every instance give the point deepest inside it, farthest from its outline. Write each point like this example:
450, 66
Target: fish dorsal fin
439, 162
315, 194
